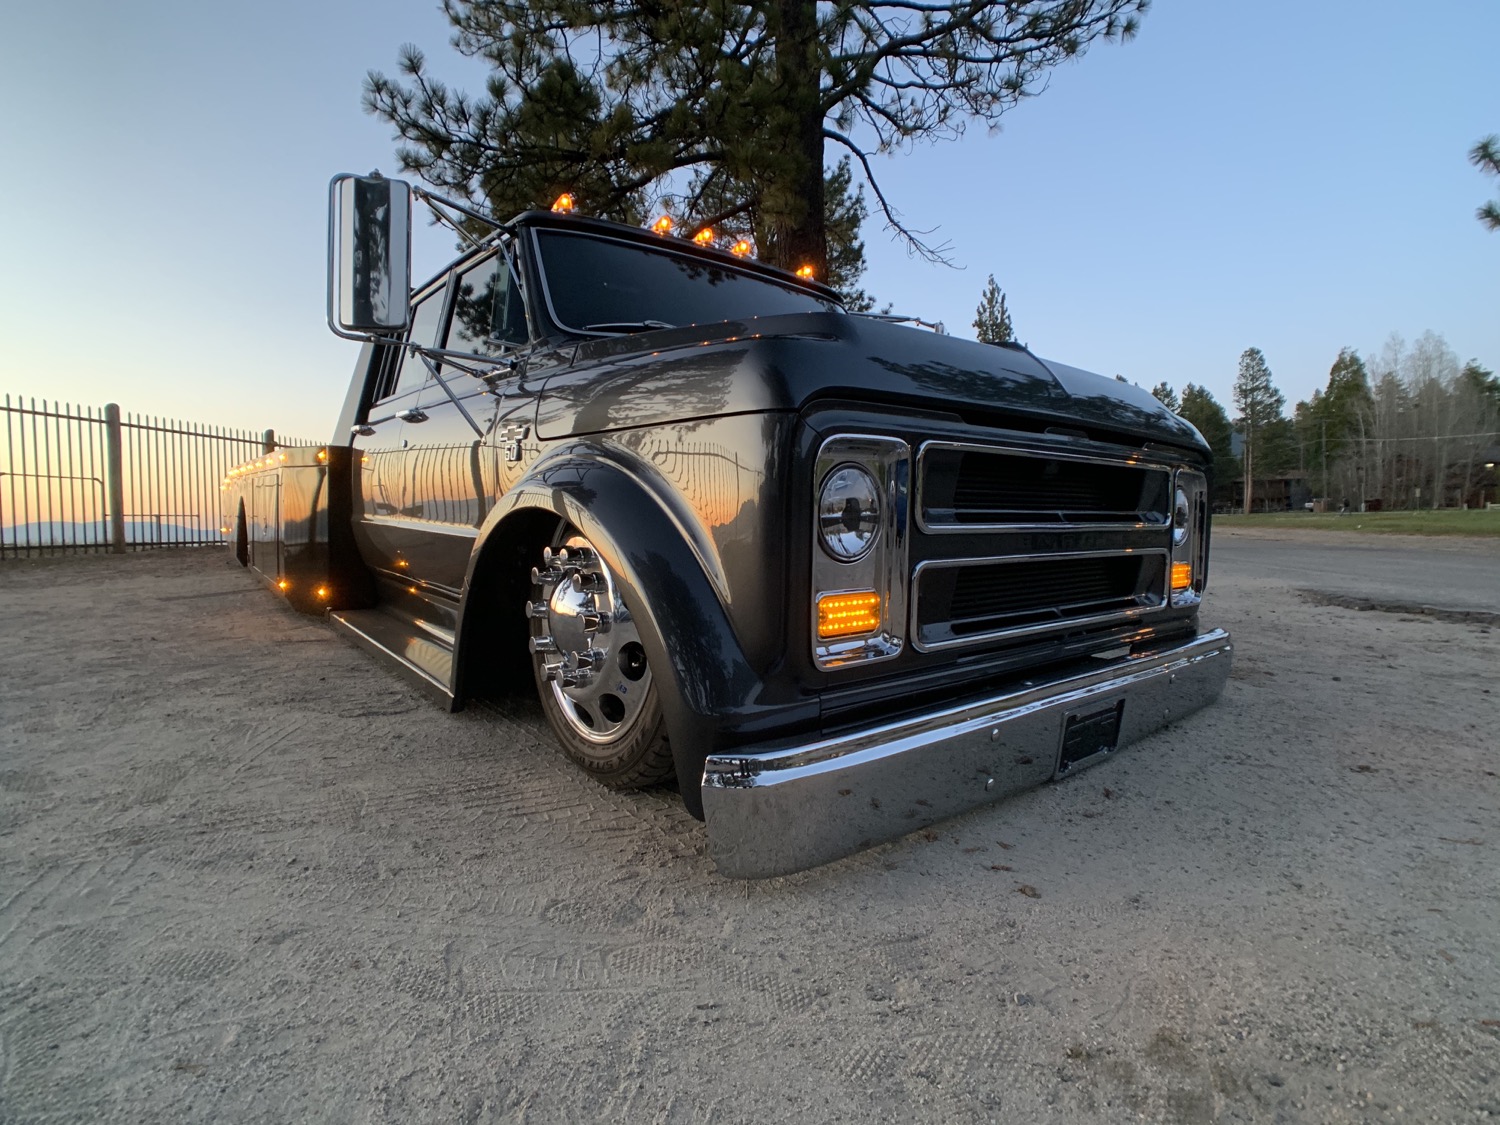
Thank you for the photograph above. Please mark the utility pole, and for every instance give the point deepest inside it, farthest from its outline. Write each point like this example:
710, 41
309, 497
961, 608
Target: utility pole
1325, 458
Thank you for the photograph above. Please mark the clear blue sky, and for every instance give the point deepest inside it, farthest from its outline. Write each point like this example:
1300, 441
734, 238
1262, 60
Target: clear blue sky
1283, 174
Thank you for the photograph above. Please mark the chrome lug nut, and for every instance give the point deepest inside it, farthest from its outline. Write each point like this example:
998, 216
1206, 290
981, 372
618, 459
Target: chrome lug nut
587, 583
544, 643
537, 609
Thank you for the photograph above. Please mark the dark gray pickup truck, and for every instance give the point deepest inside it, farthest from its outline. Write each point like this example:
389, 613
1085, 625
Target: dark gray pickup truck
837, 576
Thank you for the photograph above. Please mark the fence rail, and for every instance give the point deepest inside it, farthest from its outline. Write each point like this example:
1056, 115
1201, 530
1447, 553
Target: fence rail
80, 479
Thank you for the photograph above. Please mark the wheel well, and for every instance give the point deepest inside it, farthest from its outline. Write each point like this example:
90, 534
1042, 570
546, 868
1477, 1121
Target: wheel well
493, 660
241, 537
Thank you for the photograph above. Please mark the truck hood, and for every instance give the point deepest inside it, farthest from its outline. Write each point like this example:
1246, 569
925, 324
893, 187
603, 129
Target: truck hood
786, 362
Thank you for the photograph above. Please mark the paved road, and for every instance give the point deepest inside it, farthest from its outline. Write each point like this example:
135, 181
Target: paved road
1450, 574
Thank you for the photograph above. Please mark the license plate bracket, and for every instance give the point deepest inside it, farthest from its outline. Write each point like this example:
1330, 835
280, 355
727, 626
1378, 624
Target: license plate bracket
1090, 736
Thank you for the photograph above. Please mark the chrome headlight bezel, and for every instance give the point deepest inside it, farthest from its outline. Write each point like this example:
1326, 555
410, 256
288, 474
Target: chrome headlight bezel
880, 566
1190, 536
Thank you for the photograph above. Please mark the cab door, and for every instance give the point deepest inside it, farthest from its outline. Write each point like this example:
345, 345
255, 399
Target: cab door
382, 505
455, 457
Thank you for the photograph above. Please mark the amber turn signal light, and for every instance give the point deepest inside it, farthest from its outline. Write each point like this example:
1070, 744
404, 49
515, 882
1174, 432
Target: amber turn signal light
1182, 576
848, 615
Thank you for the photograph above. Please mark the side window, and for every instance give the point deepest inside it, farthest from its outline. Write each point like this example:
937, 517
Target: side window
488, 314
426, 324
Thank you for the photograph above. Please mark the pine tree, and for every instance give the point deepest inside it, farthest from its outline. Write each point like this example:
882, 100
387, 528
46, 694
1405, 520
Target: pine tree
1201, 409
629, 102
1486, 157
1260, 405
1333, 418
992, 318
1167, 397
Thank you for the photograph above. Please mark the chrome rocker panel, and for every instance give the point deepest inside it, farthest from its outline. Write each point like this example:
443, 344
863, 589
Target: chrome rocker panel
783, 807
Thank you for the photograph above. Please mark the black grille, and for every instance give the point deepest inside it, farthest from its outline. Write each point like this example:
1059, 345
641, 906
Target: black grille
960, 602
965, 487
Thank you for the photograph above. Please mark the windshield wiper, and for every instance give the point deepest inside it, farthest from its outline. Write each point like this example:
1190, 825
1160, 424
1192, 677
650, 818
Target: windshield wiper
627, 326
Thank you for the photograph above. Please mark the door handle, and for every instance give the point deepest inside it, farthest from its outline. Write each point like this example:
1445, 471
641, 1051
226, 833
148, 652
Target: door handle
412, 415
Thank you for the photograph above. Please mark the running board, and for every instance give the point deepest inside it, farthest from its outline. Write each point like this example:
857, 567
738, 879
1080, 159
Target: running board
422, 655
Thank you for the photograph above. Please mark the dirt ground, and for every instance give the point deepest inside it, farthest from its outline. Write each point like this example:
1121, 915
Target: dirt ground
248, 875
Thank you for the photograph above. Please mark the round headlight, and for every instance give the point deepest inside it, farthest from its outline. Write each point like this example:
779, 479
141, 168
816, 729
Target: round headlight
1181, 518
848, 513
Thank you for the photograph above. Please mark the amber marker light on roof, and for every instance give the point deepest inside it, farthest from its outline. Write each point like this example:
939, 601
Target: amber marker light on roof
704, 237
805, 272
322, 455
563, 204
848, 615
663, 225
1182, 575
742, 248
322, 592
283, 585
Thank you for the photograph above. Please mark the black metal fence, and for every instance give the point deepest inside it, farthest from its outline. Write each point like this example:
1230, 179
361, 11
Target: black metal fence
84, 479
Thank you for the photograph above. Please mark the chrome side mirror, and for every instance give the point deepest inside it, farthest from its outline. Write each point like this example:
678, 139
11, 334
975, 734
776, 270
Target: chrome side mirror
369, 255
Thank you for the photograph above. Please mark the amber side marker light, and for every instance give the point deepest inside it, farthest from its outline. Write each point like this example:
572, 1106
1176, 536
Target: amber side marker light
283, 585
322, 455
1182, 576
322, 592
848, 615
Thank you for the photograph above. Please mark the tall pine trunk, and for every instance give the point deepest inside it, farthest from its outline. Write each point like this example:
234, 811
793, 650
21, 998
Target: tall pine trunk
798, 220
1249, 473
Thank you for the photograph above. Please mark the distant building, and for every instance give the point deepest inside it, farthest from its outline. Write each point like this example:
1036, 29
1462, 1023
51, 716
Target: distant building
1279, 492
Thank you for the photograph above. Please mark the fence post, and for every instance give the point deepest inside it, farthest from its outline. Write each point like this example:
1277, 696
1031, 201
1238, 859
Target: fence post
269, 442
115, 473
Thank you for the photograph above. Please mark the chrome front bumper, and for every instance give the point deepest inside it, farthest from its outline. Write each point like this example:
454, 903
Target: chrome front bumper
786, 806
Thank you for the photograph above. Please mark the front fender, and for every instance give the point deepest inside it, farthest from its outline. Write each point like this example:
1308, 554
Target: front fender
711, 693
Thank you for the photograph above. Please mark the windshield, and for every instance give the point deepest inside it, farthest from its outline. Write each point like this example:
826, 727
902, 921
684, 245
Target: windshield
605, 285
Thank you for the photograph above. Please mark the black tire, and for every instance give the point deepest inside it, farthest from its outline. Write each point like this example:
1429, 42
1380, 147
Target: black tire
591, 672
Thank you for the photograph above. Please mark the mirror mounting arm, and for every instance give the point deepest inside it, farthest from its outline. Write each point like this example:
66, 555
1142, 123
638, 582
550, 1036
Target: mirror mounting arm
447, 390
433, 201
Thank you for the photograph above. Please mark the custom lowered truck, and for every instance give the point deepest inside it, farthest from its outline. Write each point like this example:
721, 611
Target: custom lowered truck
840, 577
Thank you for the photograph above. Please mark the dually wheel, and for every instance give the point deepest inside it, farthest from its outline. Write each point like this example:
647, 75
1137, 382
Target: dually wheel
591, 670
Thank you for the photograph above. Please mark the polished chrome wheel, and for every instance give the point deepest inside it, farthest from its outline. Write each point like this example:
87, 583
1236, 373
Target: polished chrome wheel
592, 673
